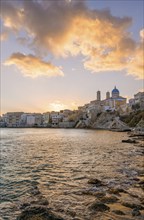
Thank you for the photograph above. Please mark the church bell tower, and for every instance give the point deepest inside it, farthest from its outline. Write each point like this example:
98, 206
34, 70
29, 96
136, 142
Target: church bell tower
98, 96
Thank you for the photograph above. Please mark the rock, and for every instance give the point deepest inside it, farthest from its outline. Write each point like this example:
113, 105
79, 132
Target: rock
99, 194
41, 201
136, 179
136, 212
142, 201
113, 191
96, 182
109, 199
132, 205
118, 212
37, 213
130, 141
35, 192
141, 182
44, 202
116, 191
99, 207
24, 205
71, 213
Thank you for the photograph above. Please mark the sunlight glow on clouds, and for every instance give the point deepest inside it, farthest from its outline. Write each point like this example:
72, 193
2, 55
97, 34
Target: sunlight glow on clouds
70, 28
3, 36
142, 34
57, 106
32, 66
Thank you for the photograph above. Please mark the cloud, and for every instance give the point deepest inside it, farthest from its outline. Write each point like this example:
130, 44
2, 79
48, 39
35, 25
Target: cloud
32, 66
69, 28
142, 34
3, 36
57, 106
11, 15
135, 65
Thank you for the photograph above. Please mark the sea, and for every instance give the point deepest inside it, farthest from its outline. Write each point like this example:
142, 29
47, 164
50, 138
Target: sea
57, 164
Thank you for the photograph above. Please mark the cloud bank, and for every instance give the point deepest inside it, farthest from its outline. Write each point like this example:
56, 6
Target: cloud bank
68, 28
32, 66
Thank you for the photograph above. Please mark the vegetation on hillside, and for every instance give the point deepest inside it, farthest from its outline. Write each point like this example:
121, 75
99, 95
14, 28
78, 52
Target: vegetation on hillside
133, 118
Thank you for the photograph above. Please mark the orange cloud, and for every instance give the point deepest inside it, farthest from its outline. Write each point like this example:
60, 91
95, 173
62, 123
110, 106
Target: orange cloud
69, 28
3, 36
142, 34
32, 66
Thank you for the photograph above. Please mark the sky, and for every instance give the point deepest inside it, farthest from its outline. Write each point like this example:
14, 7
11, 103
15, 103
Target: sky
56, 54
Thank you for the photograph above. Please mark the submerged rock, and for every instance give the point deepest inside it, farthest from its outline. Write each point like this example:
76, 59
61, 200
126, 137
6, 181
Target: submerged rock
141, 182
99, 194
35, 192
99, 207
136, 212
24, 205
38, 213
130, 141
116, 191
44, 202
40, 201
95, 181
109, 199
132, 205
118, 212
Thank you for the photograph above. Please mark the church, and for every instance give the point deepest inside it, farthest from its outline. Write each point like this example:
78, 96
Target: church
111, 102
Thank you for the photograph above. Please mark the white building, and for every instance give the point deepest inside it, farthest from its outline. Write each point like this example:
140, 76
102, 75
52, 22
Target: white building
30, 120
138, 99
12, 119
56, 117
46, 118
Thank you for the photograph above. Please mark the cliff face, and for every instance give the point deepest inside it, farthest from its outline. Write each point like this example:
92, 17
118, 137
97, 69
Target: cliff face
110, 121
134, 118
104, 120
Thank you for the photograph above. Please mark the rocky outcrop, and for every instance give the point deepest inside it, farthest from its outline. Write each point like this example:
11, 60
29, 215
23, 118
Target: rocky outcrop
104, 120
110, 121
134, 119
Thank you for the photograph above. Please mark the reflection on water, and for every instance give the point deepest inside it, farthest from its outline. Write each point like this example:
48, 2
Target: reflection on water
60, 162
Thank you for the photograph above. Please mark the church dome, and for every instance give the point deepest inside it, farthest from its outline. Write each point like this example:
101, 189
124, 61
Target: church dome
115, 90
115, 93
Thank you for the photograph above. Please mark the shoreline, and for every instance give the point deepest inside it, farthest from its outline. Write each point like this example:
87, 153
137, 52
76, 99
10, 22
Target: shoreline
104, 129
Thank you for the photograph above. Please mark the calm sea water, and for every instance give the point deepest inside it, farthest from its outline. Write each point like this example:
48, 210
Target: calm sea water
60, 162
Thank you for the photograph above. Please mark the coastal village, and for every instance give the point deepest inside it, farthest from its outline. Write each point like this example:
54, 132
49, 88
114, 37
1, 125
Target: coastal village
114, 112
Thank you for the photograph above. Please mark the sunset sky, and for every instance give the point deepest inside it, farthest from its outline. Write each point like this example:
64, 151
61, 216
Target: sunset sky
56, 54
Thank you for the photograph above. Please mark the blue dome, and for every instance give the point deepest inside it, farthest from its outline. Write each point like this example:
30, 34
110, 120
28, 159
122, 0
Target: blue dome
115, 90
